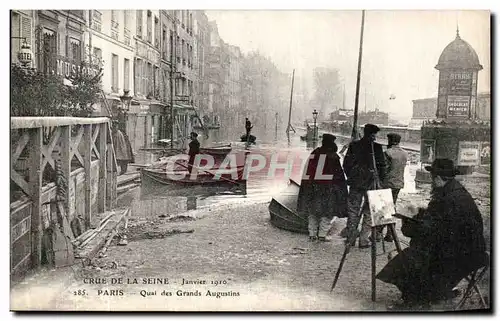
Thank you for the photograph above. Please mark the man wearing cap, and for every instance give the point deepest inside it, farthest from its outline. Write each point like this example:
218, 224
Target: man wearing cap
194, 149
320, 197
447, 242
361, 176
396, 159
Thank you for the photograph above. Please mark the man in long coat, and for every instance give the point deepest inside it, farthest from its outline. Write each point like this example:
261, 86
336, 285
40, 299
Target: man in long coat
194, 149
447, 242
123, 148
361, 175
320, 199
396, 159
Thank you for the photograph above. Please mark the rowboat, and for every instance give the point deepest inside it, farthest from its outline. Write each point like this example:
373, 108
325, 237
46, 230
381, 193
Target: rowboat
220, 151
283, 210
250, 140
180, 176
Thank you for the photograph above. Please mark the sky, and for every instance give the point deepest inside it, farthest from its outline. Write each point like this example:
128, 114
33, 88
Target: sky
400, 48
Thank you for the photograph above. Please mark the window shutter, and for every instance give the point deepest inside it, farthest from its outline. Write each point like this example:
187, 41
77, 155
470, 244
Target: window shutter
136, 76
26, 29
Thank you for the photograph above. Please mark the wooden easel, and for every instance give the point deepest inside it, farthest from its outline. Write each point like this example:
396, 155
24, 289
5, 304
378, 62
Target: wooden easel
352, 237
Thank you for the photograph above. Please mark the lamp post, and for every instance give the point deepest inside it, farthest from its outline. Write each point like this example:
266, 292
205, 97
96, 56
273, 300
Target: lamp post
315, 131
126, 100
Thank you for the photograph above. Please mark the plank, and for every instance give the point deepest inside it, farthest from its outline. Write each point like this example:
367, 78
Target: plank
65, 148
87, 154
21, 144
47, 150
101, 196
35, 182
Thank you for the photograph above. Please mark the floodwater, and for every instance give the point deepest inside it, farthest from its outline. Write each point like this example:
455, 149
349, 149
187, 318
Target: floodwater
262, 185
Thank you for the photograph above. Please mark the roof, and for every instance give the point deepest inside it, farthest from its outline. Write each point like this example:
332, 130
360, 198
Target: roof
458, 54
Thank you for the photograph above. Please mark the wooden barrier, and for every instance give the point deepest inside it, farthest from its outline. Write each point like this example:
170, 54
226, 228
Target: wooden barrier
88, 167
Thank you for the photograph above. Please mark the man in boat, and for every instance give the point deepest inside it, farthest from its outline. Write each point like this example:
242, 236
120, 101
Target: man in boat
447, 242
194, 149
320, 199
248, 126
361, 177
396, 159
123, 148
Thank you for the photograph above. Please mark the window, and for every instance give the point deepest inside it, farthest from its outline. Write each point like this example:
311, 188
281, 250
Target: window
126, 27
74, 50
114, 24
149, 27
137, 76
171, 46
157, 32
191, 23
139, 23
126, 74
164, 54
96, 20
47, 60
183, 52
114, 73
178, 50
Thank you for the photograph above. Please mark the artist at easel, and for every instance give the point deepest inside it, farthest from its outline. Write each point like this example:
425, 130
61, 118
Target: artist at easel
364, 166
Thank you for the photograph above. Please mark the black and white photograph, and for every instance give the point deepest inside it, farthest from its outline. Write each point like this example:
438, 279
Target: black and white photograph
250, 160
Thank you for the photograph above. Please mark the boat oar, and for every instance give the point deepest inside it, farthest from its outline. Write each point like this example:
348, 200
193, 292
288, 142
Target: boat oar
226, 179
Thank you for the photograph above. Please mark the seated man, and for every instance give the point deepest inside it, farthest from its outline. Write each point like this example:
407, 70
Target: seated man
447, 242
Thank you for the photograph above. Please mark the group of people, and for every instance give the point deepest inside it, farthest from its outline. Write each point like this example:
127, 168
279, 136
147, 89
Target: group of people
447, 241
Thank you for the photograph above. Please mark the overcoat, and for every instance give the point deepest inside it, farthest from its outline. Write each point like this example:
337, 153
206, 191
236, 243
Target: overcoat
446, 245
358, 164
323, 197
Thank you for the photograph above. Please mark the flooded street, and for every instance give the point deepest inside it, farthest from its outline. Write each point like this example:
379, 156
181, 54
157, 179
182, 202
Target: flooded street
262, 185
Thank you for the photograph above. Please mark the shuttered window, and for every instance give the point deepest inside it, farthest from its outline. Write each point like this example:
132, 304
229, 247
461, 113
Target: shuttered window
26, 29
126, 74
137, 79
114, 73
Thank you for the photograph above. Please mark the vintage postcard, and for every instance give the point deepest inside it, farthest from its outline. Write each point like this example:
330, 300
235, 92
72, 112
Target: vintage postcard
205, 160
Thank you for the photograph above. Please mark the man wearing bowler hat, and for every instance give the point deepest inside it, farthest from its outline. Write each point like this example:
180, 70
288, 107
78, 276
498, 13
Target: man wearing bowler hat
447, 242
361, 175
396, 159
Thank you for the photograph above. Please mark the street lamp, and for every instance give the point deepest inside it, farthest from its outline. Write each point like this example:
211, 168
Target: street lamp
126, 100
25, 55
315, 116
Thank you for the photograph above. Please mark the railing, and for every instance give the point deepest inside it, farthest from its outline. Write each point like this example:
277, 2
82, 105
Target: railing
83, 148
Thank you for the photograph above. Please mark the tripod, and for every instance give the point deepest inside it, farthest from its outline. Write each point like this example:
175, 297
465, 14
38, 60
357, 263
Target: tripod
375, 185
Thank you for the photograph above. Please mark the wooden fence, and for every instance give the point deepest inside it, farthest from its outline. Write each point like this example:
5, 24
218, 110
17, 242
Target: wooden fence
83, 147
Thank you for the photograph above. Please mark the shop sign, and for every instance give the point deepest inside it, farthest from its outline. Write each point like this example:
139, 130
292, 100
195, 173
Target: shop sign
460, 84
70, 70
469, 153
458, 106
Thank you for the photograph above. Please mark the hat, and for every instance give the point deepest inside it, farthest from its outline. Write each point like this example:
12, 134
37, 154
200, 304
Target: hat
328, 140
442, 167
194, 134
393, 138
371, 129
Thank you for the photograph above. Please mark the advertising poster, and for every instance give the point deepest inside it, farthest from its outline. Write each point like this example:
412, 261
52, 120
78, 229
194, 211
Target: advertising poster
485, 153
458, 106
469, 153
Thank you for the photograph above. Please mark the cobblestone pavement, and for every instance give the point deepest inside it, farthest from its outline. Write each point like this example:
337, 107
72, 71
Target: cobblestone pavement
252, 265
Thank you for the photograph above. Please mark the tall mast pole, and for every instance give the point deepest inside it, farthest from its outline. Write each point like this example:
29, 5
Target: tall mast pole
289, 127
356, 102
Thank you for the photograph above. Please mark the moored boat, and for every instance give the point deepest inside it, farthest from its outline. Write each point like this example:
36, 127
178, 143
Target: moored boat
283, 210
